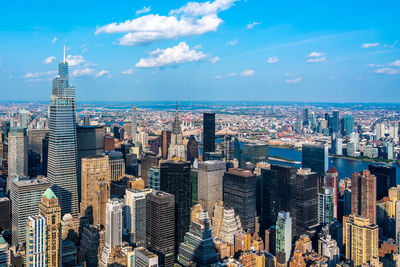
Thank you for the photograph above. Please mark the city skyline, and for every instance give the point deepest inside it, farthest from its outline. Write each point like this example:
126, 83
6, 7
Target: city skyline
213, 50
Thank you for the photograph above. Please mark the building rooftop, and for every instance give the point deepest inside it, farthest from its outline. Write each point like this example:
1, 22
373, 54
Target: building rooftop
240, 172
145, 252
49, 194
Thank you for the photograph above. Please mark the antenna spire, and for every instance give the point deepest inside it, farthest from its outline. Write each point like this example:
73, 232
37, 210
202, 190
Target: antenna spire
64, 55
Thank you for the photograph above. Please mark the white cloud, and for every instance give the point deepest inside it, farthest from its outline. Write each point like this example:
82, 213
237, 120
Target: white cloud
232, 74
369, 45
82, 72
75, 60
272, 60
374, 65
191, 19
49, 60
251, 25
315, 54
102, 73
54, 40
232, 43
293, 81
30, 75
218, 77
175, 55
389, 71
247, 73
314, 57
128, 71
214, 60
395, 63
143, 10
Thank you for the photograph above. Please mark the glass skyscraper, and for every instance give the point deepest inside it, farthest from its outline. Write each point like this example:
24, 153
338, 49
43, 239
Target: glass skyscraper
62, 155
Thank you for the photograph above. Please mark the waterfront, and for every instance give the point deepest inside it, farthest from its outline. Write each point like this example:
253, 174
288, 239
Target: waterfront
344, 166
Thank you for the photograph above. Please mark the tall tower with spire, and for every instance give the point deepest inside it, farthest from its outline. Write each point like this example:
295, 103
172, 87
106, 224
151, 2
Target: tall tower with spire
62, 155
134, 124
176, 149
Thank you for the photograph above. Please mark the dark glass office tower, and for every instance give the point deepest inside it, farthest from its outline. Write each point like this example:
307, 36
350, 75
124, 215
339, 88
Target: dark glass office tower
175, 179
306, 201
278, 193
254, 153
192, 149
209, 132
385, 179
165, 142
315, 157
239, 192
335, 121
62, 157
160, 226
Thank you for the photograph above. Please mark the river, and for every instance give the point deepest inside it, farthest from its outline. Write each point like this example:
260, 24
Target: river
345, 167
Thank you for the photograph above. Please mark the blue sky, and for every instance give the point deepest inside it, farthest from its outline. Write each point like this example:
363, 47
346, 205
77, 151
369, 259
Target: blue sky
330, 51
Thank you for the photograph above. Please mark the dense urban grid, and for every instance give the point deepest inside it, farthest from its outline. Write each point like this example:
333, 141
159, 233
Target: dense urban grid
198, 184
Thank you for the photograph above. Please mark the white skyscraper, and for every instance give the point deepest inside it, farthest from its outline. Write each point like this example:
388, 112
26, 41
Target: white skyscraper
113, 223
284, 234
135, 215
36, 241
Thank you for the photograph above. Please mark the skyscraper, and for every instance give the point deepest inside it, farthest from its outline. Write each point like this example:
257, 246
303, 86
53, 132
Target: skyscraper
165, 142
25, 197
17, 153
154, 178
208, 133
315, 157
306, 201
363, 195
113, 224
117, 165
198, 245
325, 206
160, 226
50, 209
278, 193
192, 149
36, 241
331, 180
361, 240
90, 142
62, 159
348, 124
134, 124
148, 161
135, 215
335, 121
175, 179
176, 149
239, 192
254, 153
284, 234
385, 178
209, 181
95, 188
306, 122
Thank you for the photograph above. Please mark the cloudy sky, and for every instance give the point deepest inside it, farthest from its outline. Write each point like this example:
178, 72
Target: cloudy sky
331, 51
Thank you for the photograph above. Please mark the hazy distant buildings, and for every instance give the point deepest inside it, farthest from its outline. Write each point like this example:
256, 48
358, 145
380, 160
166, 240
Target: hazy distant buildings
239, 192
134, 125
315, 157
62, 161
208, 133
